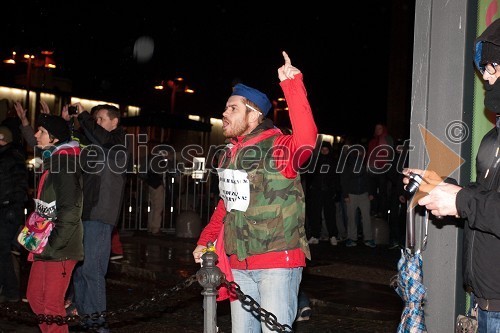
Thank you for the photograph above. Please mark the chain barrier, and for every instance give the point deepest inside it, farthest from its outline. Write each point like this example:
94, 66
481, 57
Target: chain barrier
265, 316
29, 317
268, 317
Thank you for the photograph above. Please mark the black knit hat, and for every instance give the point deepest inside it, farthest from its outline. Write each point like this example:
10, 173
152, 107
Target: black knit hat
56, 126
490, 53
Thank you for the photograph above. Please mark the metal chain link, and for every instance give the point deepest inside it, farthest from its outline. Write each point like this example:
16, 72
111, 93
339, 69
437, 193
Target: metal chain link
62, 320
268, 317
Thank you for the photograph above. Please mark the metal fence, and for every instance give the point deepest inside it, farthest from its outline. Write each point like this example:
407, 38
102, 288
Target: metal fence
183, 193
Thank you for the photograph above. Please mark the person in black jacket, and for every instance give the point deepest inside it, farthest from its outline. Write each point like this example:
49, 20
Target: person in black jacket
104, 162
355, 186
13, 196
478, 202
322, 186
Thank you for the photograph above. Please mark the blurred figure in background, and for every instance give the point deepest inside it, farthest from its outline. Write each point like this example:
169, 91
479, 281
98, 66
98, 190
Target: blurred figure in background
323, 184
380, 154
13, 197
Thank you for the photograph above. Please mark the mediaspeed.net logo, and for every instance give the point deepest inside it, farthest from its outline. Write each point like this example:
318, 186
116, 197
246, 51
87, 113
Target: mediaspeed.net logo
443, 161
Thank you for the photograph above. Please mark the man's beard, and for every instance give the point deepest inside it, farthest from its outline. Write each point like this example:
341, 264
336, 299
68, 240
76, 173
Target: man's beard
237, 130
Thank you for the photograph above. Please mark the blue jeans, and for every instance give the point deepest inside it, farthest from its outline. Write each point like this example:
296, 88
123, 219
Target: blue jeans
488, 321
89, 277
276, 290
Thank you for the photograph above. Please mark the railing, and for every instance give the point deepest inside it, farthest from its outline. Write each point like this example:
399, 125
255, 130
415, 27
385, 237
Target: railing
182, 193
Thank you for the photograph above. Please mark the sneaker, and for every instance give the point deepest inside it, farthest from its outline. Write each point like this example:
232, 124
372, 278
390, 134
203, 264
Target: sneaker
341, 239
370, 243
71, 310
351, 243
333, 241
116, 257
304, 314
393, 246
313, 240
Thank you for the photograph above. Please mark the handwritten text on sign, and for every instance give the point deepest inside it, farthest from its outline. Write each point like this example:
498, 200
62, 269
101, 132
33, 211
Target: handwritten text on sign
234, 189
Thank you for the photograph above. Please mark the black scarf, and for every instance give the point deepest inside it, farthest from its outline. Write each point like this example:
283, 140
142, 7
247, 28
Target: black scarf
492, 96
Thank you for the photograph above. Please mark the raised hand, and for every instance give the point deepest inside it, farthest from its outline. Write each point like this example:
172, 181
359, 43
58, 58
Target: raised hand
21, 113
64, 113
287, 71
44, 107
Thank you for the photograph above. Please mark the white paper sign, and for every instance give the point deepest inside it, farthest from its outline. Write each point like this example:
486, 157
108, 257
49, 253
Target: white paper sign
234, 189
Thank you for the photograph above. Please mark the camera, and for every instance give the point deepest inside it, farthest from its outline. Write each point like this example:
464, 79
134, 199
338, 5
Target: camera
414, 183
72, 109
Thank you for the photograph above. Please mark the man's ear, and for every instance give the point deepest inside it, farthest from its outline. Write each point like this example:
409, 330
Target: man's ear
115, 122
254, 116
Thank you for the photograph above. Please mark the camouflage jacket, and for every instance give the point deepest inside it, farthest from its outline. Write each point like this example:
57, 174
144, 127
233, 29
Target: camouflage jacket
274, 218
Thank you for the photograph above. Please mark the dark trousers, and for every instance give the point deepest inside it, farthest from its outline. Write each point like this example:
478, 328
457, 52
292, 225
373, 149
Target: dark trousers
322, 203
378, 184
397, 221
10, 220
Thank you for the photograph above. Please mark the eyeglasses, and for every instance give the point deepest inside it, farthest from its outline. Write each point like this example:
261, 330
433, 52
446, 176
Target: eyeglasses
490, 68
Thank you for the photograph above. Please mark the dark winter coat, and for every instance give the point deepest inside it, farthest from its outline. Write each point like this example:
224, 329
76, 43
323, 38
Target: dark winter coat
105, 165
13, 177
354, 177
64, 186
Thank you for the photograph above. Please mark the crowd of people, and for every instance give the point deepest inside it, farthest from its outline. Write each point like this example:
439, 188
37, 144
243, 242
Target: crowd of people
82, 173
350, 183
269, 212
75, 261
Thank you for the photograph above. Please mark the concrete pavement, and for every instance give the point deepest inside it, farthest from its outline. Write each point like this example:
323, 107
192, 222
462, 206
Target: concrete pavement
348, 288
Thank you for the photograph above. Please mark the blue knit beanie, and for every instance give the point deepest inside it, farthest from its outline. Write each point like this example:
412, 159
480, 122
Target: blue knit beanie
258, 98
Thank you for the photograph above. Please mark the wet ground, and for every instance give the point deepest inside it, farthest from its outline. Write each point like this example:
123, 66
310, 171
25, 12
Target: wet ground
148, 290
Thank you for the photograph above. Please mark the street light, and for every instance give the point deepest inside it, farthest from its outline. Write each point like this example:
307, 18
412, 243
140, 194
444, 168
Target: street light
176, 85
279, 105
46, 61
29, 58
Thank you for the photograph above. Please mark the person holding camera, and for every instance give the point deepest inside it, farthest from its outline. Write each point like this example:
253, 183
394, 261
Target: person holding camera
105, 161
478, 202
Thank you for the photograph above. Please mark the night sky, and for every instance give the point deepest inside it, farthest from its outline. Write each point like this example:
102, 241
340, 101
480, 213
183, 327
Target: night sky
343, 51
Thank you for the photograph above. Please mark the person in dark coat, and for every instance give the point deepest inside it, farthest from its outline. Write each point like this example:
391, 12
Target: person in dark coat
106, 161
60, 184
322, 187
478, 203
13, 196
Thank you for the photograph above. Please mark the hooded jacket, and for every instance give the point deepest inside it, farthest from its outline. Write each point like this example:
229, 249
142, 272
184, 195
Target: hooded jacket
64, 186
479, 204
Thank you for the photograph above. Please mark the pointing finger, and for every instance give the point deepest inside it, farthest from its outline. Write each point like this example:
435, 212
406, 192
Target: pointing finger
287, 58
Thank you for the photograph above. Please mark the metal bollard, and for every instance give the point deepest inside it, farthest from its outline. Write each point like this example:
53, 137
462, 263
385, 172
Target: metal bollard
209, 277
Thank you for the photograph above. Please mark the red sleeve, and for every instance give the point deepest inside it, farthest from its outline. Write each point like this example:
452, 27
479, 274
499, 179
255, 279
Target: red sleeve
296, 148
211, 231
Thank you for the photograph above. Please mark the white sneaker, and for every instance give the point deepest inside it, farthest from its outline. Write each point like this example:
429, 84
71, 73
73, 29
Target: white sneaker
304, 314
116, 257
313, 240
333, 241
